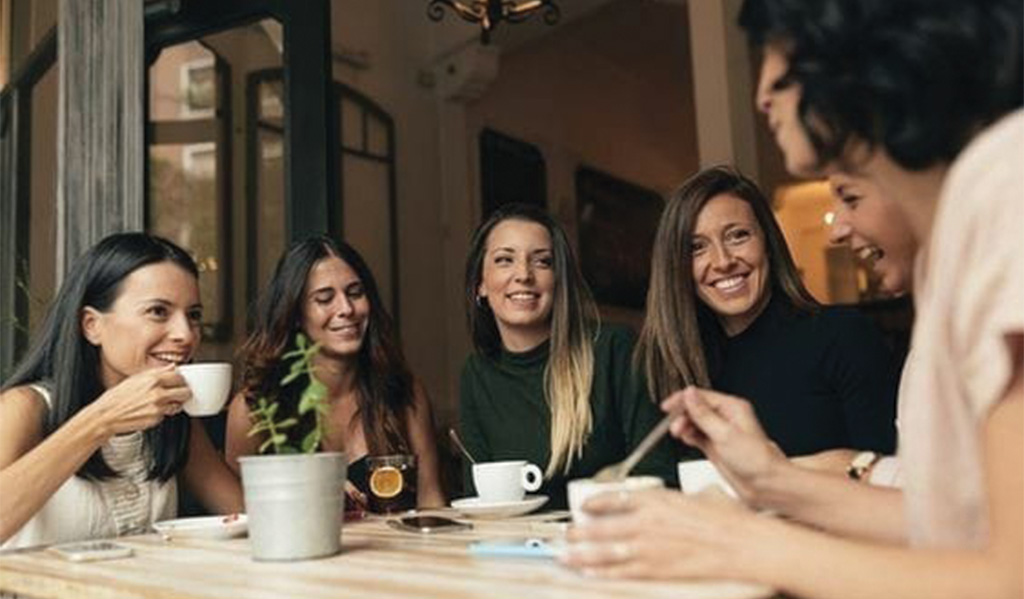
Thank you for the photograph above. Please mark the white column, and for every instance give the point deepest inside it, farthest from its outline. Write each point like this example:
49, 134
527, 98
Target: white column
723, 86
100, 151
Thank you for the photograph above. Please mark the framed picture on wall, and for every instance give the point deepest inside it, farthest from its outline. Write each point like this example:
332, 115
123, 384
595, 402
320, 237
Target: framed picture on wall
617, 224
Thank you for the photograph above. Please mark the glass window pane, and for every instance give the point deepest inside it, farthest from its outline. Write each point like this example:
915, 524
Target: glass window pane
269, 205
377, 137
367, 217
42, 259
351, 126
184, 208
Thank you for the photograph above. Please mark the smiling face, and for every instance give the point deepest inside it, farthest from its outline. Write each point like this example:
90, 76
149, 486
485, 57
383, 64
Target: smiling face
336, 309
779, 101
875, 229
155, 320
730, 262
518, 282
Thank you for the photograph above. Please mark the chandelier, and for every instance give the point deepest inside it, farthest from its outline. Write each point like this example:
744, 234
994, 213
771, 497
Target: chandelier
488, 13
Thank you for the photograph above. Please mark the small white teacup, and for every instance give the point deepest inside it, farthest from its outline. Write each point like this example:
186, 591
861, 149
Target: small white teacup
697, 475
210, 383
497, 482
582, 489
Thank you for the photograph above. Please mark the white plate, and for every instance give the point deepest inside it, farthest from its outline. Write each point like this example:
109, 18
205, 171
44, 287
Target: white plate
204, 527
474, 507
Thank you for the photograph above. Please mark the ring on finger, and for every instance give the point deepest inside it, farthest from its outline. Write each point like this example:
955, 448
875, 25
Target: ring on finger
622, 551
624, 498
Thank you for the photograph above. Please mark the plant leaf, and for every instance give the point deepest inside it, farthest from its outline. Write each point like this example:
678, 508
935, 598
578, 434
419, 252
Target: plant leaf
265, 445
312, 396
311, 441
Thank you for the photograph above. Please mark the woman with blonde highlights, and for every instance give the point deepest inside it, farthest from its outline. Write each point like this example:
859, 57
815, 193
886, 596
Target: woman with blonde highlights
546, 383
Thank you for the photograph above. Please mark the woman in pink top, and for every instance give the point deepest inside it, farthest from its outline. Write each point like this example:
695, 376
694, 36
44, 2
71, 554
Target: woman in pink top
923, 99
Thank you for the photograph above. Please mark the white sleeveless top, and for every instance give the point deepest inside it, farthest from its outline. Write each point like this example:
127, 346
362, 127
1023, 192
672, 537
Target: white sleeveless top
82, 509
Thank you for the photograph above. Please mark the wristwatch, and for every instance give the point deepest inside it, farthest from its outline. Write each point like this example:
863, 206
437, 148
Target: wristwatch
861, 463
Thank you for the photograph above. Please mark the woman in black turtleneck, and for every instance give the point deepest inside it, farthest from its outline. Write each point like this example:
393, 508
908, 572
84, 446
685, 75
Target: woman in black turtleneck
726, 309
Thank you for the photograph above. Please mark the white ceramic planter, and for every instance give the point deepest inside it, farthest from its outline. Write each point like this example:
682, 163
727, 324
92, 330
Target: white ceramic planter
295, 504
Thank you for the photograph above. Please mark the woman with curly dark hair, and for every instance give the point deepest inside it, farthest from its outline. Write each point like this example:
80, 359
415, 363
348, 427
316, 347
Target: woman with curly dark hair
325, 290
924, 99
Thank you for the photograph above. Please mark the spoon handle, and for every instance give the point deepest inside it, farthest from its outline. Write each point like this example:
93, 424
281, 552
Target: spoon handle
458, 443
645, 446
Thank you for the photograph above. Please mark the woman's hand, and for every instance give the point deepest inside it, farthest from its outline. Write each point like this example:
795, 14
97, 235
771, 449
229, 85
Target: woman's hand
726, 429
355, 500
142, 400
660, 534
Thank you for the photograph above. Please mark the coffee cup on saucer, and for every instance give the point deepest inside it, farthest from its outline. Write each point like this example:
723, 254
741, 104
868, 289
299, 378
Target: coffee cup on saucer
506, 481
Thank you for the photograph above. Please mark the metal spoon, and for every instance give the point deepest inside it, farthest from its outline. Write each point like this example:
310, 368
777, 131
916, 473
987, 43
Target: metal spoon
454, 436
621, 469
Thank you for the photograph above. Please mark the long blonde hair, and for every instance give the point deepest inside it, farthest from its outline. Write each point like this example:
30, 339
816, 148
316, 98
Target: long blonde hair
569, 373
671, 349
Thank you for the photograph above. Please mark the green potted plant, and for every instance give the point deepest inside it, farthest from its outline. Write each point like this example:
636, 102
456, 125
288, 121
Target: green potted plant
294, 495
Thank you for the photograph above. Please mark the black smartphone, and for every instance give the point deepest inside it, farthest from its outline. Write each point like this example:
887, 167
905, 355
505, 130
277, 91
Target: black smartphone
428, 524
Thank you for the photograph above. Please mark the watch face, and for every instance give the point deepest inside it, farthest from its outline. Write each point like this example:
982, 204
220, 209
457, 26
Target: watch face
860, 463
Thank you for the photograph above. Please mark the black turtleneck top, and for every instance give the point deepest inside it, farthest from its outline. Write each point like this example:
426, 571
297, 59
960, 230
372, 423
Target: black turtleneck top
817, 381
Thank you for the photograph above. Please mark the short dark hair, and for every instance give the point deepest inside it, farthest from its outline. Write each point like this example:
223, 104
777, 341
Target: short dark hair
62, 359
916, 77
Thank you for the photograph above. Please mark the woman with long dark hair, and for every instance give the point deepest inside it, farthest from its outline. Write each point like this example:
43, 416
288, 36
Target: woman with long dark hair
924, 99
325, 290
726, 309
547, 383
92, 438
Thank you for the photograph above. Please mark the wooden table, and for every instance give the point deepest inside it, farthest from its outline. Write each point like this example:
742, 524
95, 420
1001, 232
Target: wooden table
376, 561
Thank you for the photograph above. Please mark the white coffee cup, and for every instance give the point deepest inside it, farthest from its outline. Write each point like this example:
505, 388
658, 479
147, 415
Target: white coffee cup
506, 481
582, 489
210, 383
698, 475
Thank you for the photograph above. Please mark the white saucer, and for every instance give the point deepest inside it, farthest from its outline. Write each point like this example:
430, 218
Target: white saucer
474, 507
204, 527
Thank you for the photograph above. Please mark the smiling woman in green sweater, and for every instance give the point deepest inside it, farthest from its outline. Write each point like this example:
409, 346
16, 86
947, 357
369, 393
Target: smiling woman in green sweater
547, 383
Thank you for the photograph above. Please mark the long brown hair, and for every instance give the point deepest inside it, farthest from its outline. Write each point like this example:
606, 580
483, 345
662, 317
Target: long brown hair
569, 373
671, 349
382, 376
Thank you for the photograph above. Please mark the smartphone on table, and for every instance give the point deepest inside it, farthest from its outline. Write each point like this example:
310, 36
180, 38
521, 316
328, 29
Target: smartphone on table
428, 524
90, 551
526, 547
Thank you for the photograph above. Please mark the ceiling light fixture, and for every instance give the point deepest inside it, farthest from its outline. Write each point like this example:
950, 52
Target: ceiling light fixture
489, 13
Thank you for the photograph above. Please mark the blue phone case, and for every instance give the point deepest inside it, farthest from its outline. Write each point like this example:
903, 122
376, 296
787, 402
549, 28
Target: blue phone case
536, 548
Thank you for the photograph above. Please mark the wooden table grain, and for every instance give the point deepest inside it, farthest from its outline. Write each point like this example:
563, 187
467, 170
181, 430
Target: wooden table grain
376, 561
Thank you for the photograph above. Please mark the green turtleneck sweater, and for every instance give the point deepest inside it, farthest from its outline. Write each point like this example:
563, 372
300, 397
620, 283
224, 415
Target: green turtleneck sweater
504, 415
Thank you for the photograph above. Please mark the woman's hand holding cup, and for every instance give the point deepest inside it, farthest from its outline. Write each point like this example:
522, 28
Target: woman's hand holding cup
142, 400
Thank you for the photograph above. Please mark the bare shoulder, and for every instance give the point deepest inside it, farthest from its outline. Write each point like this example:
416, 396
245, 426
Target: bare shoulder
22, 401
22, 411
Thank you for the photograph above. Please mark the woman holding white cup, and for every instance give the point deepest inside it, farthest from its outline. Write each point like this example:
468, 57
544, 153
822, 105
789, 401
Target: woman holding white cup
92, 438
